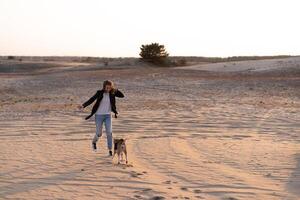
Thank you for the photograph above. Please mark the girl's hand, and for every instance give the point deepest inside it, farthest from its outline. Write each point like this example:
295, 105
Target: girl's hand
80, 107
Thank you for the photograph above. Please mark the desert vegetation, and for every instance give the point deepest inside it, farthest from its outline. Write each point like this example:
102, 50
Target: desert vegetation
154, 53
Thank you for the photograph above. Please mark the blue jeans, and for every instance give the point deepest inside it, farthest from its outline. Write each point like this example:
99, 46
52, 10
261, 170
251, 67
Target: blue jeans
106, 119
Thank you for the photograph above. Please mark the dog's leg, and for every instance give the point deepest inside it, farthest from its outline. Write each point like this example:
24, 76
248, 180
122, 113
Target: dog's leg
118, 158
115, 151
122, 156
126, 156
115, 148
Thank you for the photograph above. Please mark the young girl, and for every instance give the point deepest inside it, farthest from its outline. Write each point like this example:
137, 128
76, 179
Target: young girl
105, 104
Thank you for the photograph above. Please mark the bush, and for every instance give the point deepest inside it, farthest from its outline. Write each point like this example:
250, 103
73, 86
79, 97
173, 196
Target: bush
154, 53
10, 57
182, 62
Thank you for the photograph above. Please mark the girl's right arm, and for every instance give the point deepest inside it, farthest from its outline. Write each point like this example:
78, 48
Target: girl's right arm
91, 100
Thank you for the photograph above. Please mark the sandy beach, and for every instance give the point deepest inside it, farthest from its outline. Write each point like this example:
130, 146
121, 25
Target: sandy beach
227, 131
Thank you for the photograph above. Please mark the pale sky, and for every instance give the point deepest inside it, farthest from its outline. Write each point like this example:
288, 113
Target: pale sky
117, 28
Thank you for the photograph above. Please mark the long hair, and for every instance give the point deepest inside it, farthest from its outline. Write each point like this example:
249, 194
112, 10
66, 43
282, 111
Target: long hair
110, 83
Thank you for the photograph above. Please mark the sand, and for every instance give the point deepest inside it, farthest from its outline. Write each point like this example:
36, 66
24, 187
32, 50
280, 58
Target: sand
270, 65
197, 132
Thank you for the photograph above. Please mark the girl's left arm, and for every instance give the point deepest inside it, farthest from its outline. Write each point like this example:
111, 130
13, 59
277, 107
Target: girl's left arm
119, 94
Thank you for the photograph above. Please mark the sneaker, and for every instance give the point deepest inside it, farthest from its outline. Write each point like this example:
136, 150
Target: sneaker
94, 146
110, 153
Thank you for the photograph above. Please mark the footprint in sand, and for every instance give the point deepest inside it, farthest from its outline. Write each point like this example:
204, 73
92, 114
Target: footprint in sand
197, 191
143, 190
184, 188
146, 189
167, 182
135, 174
124, 166
138, 196
158, 198
230, 198
180, 197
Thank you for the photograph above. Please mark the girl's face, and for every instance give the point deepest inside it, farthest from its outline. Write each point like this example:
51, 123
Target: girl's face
107, 88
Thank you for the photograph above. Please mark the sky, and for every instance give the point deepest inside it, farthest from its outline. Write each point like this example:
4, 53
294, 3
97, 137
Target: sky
117, 28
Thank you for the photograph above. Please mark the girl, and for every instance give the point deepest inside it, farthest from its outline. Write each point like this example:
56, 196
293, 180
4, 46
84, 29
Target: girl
105, 104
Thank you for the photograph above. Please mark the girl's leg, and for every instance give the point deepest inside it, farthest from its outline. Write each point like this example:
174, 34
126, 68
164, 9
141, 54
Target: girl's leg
108, 130
99, 123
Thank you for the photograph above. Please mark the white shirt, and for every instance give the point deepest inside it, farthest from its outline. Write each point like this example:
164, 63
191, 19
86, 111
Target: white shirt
104, 107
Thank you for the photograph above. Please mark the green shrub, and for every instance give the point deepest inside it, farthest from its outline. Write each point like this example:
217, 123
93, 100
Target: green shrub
154, 53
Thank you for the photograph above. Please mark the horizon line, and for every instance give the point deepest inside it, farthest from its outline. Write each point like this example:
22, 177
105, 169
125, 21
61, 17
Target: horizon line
275, 55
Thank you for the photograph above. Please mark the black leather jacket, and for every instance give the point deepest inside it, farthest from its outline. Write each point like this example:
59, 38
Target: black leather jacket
98, 96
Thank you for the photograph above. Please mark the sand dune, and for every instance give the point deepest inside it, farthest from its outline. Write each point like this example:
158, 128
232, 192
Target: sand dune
292, 63
192, 134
